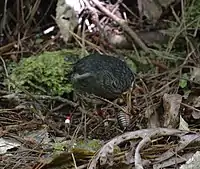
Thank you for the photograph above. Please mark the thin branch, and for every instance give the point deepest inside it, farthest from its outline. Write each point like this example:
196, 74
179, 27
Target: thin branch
124, 25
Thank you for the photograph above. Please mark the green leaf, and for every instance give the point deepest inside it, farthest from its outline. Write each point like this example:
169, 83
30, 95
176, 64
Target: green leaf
183, 81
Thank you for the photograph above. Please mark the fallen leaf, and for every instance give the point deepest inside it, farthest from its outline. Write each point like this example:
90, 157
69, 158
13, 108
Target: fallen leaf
152, 9
196, 114
153, 117
171, 105
149, 9
195, 75
183, 125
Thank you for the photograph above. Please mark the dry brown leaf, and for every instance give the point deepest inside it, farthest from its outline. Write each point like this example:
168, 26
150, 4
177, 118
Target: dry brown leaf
171, 104
196, 114
66, 18
149, 9
193, 162
173, 161
183, 125
195, 75
166, 3
152, 9
153, 118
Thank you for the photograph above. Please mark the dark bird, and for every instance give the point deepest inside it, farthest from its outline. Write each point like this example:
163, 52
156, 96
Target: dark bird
102, 75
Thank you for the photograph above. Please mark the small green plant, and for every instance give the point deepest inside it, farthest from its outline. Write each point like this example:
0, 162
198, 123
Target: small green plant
43, 74
183, 81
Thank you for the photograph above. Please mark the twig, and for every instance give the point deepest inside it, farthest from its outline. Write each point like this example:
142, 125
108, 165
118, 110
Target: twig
4, 66
74, 160
114, 104
163, 87
87, 42
188, 106
123, 24
45, 97
105, 153
6, 71
138, 160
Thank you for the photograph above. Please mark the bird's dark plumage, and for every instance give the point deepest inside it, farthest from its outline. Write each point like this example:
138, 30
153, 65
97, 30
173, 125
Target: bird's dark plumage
102, 75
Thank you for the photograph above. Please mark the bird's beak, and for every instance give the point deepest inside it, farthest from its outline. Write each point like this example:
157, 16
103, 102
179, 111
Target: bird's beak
76, 76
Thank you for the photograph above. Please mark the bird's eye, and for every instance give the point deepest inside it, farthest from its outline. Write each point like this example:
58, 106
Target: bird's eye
66, 18
114, 84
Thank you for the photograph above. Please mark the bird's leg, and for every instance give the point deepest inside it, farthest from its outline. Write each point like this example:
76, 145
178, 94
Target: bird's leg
128, 100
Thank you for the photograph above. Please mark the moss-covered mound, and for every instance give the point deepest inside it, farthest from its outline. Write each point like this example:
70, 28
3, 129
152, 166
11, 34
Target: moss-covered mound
44, 74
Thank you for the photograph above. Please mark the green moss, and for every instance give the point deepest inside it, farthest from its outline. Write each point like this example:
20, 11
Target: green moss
44, 74
89, 145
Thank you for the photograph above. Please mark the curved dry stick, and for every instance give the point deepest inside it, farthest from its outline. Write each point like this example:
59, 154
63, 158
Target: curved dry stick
106, 151
138, 159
